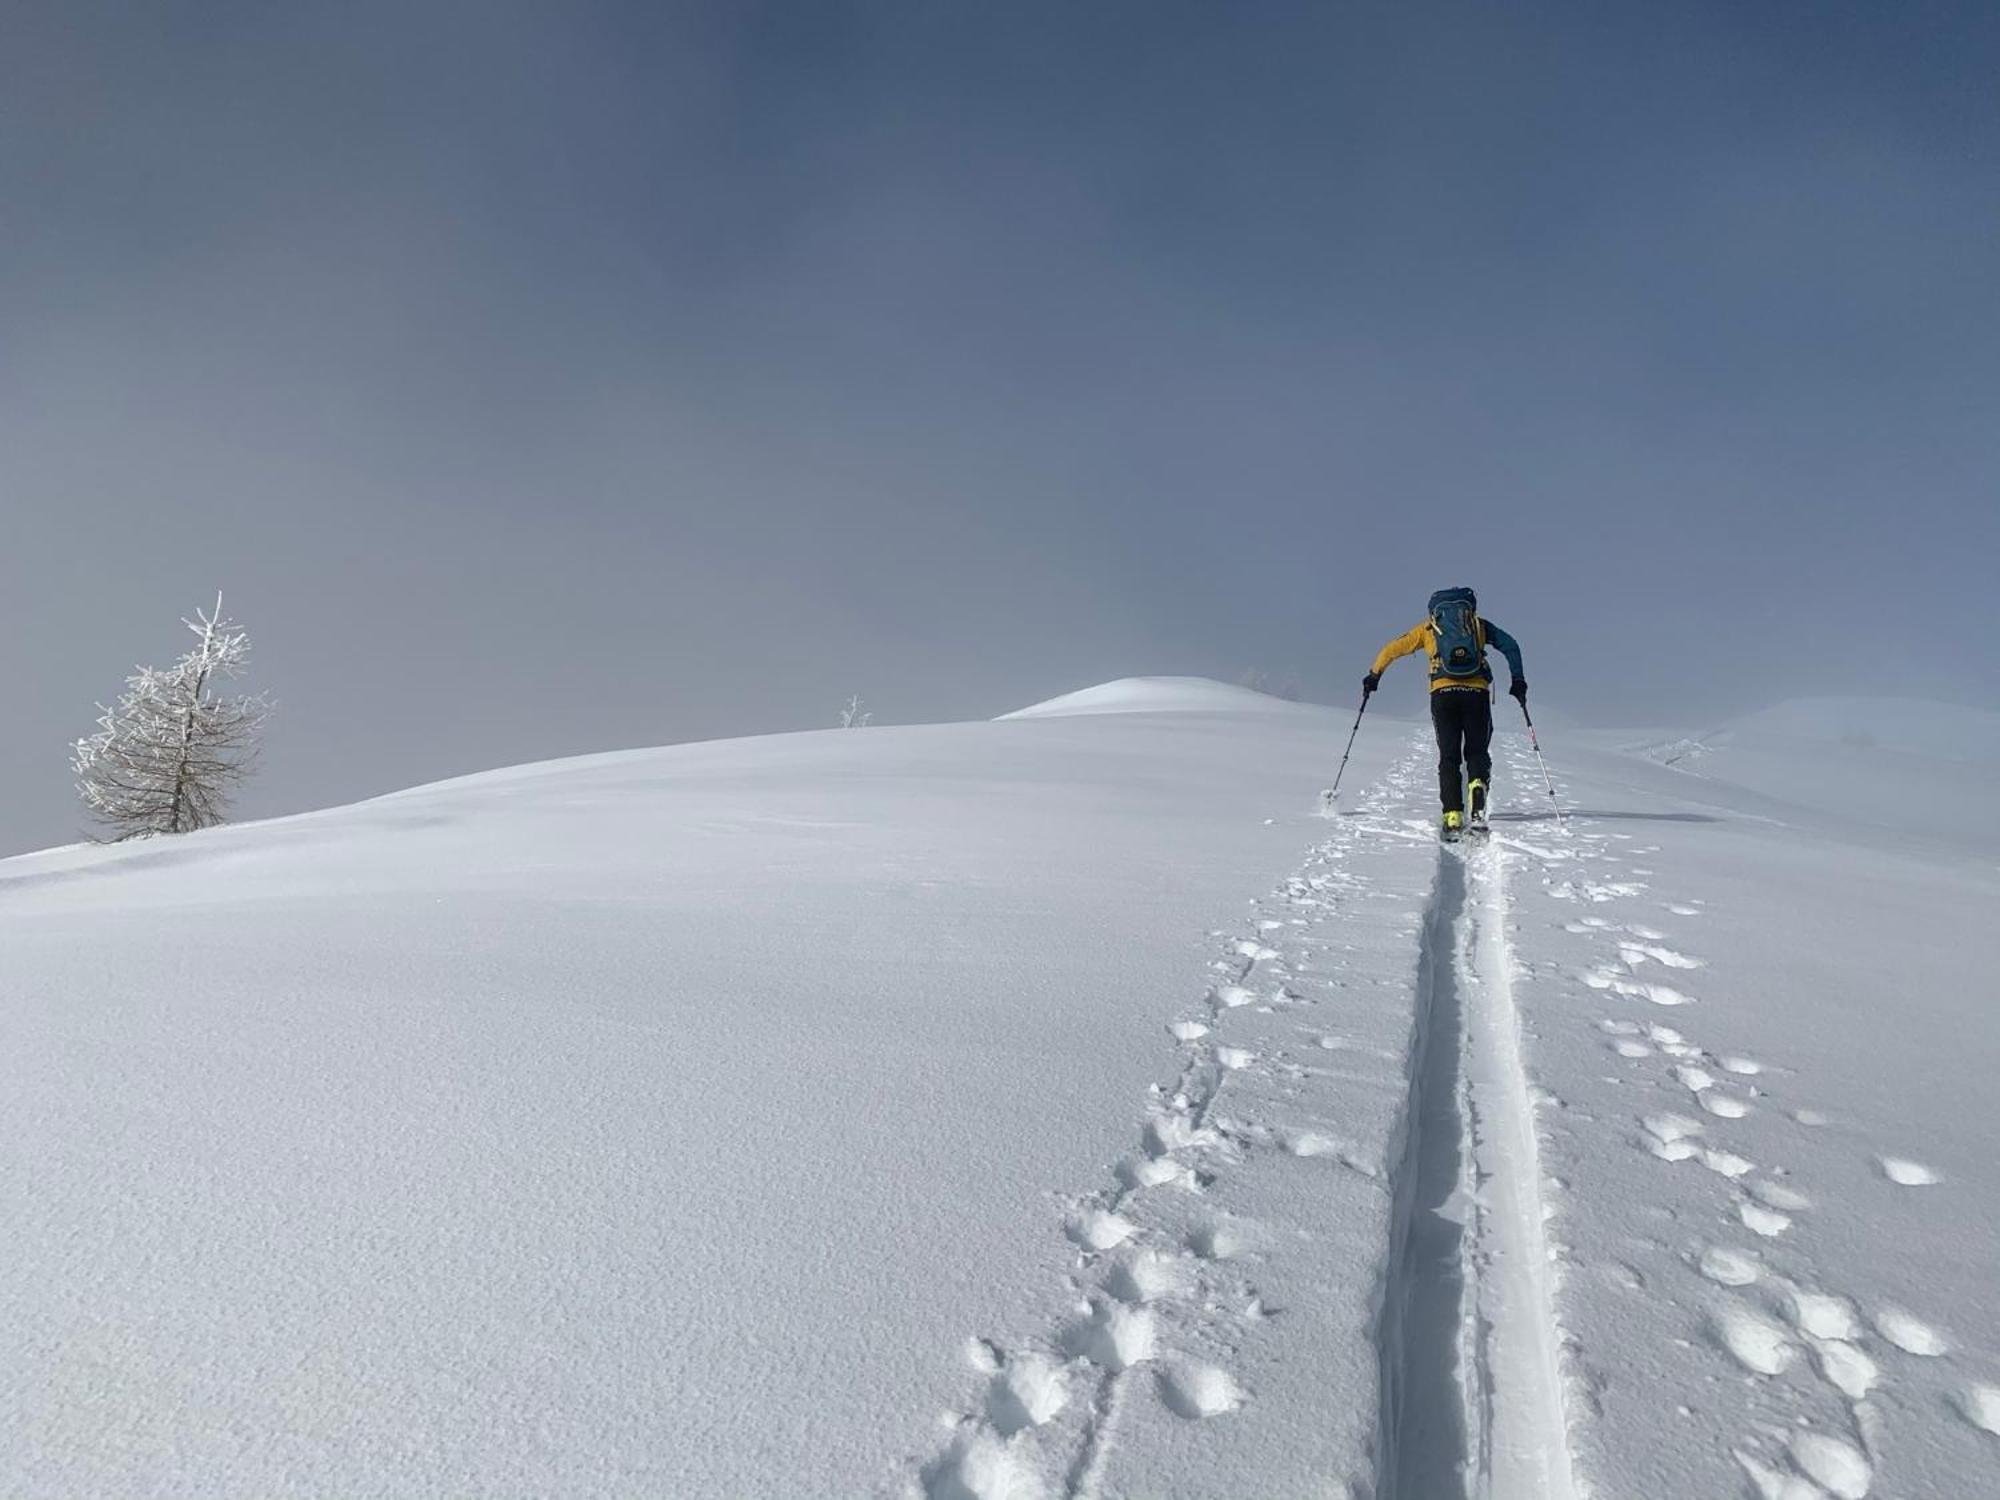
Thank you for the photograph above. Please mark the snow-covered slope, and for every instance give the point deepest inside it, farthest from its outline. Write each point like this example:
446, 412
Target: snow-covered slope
1156, 695
1044, 1107
1895, 765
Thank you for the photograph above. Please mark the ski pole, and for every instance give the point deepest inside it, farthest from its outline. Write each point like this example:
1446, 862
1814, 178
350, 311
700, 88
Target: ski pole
1549, 780
1326, 797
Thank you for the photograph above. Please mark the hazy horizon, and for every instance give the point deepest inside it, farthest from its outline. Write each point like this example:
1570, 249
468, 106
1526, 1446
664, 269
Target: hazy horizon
539, 380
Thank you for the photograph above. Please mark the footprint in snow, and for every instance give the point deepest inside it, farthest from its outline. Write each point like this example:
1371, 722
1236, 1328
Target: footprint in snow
1727, 1267
1836, 1466
981, 1465
1761, 1220
1906, 1173
1147, 1277
1980, 1405
1152, 1171
1722, 1106
1167, 1133
1745, 1066
1217, 1242
1846, 1368
1114, 1336
1672, 1137
1777, 1195
1909, 1333
1027, 1391
1098, 1229
1635, 954
1657, 994
1194, 1391
1694, 1079
1753, 1340
1188, 1031
1825, 1317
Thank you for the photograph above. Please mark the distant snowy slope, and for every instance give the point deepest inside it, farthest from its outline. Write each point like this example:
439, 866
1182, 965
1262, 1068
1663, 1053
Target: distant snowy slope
1905, 766
1907, 726
1153, 695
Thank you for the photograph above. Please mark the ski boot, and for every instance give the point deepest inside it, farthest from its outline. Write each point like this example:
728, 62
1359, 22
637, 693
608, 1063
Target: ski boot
1475, 803
1454, 824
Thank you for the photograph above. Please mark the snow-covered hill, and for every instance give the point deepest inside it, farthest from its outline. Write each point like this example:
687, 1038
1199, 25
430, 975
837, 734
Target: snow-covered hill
1895, 765
1154, 695
1045, 1107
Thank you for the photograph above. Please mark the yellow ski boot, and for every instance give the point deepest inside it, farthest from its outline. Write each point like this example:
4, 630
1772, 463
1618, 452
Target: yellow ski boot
1475, 804
1454, 822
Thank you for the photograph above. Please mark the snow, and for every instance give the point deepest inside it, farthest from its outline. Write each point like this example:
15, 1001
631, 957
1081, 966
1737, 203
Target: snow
1888, 764
1157, 695
1049, 1107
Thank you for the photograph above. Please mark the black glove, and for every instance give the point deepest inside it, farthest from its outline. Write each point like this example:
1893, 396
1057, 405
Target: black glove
1369, 683
1518, 691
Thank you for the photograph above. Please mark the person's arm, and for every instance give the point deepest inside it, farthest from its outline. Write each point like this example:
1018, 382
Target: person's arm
1402, 645
1511, 649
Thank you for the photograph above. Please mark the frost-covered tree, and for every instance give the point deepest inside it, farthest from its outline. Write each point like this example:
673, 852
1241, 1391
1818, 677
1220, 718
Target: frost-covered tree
166, 756
854, 716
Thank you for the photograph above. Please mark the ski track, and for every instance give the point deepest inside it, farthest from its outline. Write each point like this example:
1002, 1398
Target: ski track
1143, 1274
1471, 1386
1764, 1323
1524, 1438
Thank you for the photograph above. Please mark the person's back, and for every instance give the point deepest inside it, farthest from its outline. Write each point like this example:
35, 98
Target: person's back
1454, 637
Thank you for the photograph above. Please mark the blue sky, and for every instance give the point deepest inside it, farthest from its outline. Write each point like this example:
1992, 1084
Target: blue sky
540, 379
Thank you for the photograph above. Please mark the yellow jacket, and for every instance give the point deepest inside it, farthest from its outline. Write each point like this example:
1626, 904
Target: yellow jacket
1424, 638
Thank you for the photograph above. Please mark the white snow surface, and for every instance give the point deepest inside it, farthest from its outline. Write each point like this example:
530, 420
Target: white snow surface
1050, 1107
1153, 695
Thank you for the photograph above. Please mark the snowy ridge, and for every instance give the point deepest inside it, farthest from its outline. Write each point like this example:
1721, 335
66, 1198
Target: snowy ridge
1162, 695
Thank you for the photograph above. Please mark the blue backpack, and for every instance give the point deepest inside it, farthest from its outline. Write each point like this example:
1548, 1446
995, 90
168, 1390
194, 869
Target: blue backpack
1461, 648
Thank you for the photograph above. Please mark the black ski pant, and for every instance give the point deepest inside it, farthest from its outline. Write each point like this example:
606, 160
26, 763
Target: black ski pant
1463, 719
